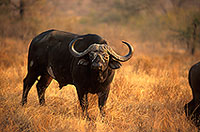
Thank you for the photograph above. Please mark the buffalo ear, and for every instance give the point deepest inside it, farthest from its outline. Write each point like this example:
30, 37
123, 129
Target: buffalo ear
83, 62
114, 64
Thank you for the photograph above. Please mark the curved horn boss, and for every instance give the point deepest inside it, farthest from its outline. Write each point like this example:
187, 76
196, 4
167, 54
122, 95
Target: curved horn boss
110, 51
80, 54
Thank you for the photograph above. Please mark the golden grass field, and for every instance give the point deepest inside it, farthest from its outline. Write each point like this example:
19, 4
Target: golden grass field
147, 95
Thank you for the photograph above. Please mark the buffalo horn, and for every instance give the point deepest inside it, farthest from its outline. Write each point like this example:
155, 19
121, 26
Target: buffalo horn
80, 54
73, 51
121, 58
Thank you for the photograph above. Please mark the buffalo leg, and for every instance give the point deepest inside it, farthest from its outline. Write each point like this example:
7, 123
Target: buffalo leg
102, 98
42, 84
27, 84
84, 103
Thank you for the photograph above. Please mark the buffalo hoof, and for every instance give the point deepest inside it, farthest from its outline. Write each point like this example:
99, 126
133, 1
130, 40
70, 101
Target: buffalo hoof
88, 118
23, 103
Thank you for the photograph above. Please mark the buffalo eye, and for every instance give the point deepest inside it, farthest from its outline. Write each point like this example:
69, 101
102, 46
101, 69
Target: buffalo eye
91, 56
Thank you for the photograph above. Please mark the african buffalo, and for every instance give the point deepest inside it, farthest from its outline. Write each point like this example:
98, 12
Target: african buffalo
192, 109
85, 61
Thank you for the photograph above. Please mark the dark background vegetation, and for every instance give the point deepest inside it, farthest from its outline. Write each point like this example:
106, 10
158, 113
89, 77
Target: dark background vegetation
175, 21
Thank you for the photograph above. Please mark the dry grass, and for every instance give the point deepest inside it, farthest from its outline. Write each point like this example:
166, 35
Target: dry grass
147, 95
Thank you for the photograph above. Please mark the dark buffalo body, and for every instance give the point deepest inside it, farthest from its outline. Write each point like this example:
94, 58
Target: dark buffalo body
192, 109
85, 61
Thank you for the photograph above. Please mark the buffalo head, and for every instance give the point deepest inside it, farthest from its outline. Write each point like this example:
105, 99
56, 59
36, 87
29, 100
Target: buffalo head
100, 57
